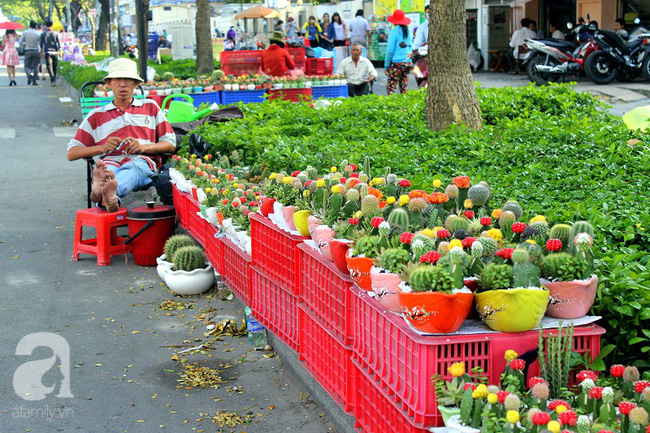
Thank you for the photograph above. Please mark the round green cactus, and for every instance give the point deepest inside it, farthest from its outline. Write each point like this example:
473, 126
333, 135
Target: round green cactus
489, 245
391, 178
417, 205
367, 245
427, 278
394, 259
513, 206
507, 218
218, 75
479, 194
495, 277
451, 191
311, 172
189, 258
352, 195
399, 218
458, 223
487, 185
541, 227
370, 205
561, 232
577, 228
168, 76
174, 243
520, 256
563, 267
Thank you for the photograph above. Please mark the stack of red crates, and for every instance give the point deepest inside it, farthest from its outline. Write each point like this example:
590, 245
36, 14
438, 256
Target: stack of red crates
240, 62
180, 205
213, 247
237, 271
319, 66
196, 227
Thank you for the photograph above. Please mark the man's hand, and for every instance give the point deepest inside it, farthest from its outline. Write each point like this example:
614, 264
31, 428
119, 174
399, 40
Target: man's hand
111, 144
133, 147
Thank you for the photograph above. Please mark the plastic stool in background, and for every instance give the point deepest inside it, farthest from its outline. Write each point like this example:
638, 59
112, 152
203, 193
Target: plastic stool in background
107, 243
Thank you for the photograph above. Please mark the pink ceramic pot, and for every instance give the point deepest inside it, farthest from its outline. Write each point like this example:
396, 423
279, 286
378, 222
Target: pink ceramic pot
385, 285
571, 299
287, 214
313, 223
339, 249
323, 235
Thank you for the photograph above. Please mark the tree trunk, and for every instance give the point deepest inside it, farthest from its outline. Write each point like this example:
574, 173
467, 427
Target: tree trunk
204, 59
101, 41
451, 94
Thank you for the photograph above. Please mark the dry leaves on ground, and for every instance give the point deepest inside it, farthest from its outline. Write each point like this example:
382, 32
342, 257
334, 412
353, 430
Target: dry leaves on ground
198, 376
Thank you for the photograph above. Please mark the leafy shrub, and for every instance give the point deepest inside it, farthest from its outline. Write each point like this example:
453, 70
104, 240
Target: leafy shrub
77, 76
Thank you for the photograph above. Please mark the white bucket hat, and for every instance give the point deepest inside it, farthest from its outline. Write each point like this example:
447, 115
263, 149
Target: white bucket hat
123, 68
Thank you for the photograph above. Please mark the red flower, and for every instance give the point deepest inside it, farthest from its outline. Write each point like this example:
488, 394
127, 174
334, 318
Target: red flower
518, 227
648, 429
468, 214
343, 180
596, 393
443, 234
555, 403
404, 183
295, 173
517, 364
534, 381
568, 417
461, 181
468, 241
485, 221
587, 374
501, 396
354, 175
541, 418
208, 157
640, 385
406, 238
243, 199
246, 212
253, 204
431, 257
625, 407
617, 370
354, 167
376, 221
505, 253
471, 284
468, 385
225, 201
353, 221
554, 245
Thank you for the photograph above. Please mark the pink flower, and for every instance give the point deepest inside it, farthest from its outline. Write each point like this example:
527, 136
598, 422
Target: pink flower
534, 381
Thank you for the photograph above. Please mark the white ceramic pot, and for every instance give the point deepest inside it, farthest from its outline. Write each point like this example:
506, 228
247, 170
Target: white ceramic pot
168, 91
227, 87
249, 246
277, 210
250, 87
163, 266
242, 238
190, 283
454, 426
307, 84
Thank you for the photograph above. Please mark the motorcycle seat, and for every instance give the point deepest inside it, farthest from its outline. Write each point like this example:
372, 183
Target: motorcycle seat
560, 44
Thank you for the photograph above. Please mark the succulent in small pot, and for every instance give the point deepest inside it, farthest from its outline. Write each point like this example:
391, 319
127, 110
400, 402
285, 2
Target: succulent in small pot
191, 273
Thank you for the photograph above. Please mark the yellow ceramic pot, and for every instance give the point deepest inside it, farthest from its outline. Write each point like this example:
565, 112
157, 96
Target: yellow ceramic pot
300, 219
514, 310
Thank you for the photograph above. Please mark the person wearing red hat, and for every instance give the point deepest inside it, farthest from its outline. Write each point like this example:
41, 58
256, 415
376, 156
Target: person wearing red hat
397, 64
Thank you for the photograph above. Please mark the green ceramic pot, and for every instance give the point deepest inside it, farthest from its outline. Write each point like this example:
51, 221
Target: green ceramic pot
448, 412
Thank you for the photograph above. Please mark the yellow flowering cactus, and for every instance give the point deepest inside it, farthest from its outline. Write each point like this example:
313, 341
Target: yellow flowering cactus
455, 243
510, 355
273, 176
390, 200
496, 213
457, 369
320, 183
449, 393
512, 417
437, 183
495, 234
428, 233
404, 200
538, 218
467, 204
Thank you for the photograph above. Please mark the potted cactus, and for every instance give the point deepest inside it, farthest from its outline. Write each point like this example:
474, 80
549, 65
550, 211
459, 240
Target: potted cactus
450, 393
172, 245
433, 298
360, 260
191, 274
385, 279
217, 77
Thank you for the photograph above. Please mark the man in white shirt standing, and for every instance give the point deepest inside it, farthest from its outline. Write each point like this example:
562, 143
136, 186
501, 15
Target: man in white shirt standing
518, 39
358, 71
555, 33
359, 30
422, 34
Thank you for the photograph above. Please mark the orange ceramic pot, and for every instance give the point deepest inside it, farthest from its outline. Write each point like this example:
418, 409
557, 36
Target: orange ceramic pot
339, 250
571, 299
385, 286
435, 312
359, 268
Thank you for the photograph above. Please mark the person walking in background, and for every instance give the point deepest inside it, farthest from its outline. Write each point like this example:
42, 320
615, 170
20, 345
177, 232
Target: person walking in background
337, 32
29, 42
312, 31
358, 71
325, 40
50, 47
359, 30
422, 34
533, 28
290, 28
555, 33
278, 26
10, 55
398, 65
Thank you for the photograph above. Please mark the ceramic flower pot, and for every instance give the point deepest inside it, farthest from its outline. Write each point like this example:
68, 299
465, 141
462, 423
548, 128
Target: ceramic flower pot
512, 310
313, 222
287, 214
278, 210
187, 90
200, 195
177, 90
359, 268
163, 266
454, 426
571, 299
266, 205
300, 220
435, 312
190, 283
448, 412
339, 249
227, 87
197, 89
208, 88
385, 285
323, 235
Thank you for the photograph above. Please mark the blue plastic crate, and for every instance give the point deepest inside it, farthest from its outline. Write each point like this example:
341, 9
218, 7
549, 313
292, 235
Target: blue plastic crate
246, 96
329, 91
206, 98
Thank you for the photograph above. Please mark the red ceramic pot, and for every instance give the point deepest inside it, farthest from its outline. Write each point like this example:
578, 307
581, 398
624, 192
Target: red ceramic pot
571, 299
359, 268
194, 194
385, 285
339, 250
266, 205
435, 312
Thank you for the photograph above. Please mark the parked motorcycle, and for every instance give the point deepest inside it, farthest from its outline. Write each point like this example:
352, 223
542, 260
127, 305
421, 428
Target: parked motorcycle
421, 66
615, 58
551, 60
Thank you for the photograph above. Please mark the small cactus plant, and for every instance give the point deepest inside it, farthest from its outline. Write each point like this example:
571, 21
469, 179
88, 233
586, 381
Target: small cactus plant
479, 194
525, 273
400, 218
513, 206
370, 206
563, 267
561, 232
394, 259
577, 228
168, 76
458, 223
495, 277
428, 278
366, 245
218, 75
174, 243
189, 259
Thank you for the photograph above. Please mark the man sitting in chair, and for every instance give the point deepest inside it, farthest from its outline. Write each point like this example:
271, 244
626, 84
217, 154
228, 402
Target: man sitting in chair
123, 133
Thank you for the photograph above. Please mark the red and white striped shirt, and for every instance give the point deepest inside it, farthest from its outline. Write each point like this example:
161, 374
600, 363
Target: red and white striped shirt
142, 120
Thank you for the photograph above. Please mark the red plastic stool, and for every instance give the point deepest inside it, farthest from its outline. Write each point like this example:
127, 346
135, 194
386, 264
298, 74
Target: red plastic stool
107, 243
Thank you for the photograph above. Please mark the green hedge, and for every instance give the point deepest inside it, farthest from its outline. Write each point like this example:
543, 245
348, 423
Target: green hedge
556, 151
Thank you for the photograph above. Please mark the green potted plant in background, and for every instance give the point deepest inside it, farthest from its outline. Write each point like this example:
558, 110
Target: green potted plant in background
450, 392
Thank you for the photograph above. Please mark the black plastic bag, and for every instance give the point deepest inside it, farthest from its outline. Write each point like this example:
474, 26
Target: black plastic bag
198, 145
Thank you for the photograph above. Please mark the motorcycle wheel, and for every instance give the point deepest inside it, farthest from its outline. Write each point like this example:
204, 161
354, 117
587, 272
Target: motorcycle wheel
541, 78
646, 67
600, 68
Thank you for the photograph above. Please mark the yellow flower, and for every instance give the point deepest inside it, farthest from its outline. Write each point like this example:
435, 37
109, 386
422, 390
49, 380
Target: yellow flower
468, 204
510, 355
273, 176
404, 200
193, 156
372, 182
214, 191
553, 426
561, 408
336, 189
390, 200
225, 192
320, 183
537, 218
428, 233
378, 181
235, 185
492, 398
208, 189
358, 214
437, 183
333, 169
496, 213
481, 391
305, 193
495, 234
287, 180
455, 243
512, 416
214, 180
531, 241
457, 369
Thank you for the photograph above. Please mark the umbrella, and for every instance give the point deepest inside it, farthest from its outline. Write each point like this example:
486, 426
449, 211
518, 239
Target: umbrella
9, 25
258, 12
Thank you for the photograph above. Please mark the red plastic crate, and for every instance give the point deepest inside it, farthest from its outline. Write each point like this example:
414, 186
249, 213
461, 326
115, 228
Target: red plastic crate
326, 292
275, 308
404, 361
276, 253
328, 361
240, 62
293, 95
213, 247
195, 223
236, 270
298, 56
180, 205
319, 66
376, 412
